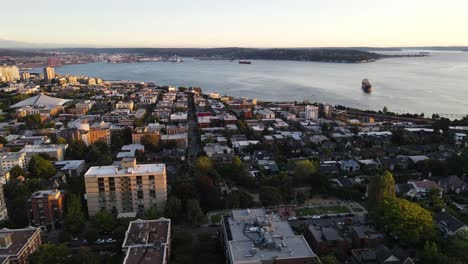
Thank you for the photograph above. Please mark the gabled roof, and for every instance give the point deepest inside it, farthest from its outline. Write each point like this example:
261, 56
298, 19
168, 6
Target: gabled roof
452, 181
451, 222
41, 100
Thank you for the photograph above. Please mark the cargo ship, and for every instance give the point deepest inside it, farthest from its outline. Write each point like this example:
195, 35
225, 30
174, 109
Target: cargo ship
366, 86
245, 62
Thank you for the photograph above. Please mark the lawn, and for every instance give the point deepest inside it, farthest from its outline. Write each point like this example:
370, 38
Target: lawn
322, 210
216, 218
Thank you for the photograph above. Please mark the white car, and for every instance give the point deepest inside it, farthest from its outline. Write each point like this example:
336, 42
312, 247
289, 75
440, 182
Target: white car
316, 217
292, 218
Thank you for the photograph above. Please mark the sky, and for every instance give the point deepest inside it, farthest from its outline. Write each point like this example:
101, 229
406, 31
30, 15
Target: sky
237, 23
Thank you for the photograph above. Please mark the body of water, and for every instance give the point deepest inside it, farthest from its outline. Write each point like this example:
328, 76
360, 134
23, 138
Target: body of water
434, 84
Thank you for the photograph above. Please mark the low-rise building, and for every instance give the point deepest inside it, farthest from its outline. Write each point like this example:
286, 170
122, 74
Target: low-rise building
255, 236
71, 168
148, 241
16, 245
56, 151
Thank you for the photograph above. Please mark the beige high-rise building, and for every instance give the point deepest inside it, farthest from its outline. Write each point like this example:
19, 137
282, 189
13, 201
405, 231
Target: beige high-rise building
9, 73
49, 74
72, 80
25, 76
126, 187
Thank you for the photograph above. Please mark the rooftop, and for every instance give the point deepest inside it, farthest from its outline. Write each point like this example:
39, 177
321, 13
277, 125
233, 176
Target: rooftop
116, 170
41, 100
19, 238
256, 236
146, 241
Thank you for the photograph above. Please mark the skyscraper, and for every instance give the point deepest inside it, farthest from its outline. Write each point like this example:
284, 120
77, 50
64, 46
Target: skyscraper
49, 74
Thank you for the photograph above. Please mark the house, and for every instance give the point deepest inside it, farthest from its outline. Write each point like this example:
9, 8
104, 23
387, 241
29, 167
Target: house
452, 184
448, 224
379, 255
329, 167
391, 164
369, 164
423, 188
459, 138
349, 165
405, 189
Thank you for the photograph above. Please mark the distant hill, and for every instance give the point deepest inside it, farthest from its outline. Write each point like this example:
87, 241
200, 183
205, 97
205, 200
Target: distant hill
19, 53
341, 55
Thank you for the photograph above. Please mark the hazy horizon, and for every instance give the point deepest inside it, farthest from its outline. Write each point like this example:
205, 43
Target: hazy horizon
243, 23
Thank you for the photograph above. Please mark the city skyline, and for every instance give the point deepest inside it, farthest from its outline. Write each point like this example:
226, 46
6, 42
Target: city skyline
210, 23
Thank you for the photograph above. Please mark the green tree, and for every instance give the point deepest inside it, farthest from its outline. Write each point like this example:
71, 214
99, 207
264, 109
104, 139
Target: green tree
91, 234
50, 253
17, 194
457, 246
385, 110
194, 212
203, 165
3, 141
76, 150
329, 259
41, 168
33, 121
174, 209
430, 254
270, 196
304, 170
404, 219
85, 255
104, 221
61, 140
74, 219
381, 187
152, 213
151, 141
17, 171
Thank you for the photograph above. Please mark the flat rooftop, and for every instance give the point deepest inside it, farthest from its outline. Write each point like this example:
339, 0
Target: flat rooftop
115, 170
146, 241
255, 236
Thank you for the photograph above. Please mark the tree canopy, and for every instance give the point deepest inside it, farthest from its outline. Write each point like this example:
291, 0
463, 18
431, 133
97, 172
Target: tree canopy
41, 168
407, 220
305, 169
381, 187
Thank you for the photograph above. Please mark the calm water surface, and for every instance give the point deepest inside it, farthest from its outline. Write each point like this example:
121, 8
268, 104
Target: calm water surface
434, 84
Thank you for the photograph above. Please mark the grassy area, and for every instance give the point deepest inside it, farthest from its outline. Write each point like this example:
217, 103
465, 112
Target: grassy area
322, 210
216, 218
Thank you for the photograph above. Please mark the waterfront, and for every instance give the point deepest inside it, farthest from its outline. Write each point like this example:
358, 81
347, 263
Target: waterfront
434, 84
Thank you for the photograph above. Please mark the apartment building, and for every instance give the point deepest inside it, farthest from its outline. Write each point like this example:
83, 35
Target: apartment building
126, 187
45, 208
10, 159
56, 151
16, 245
